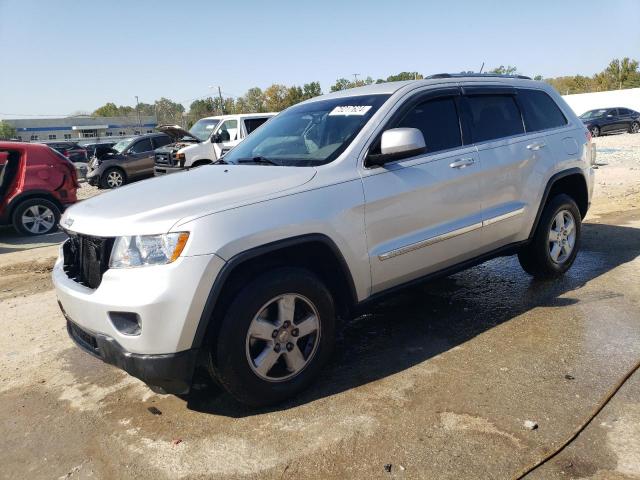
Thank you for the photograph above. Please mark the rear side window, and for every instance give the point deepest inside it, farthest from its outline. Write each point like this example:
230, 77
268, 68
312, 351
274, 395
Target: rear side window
250, 124
494, 116
161, 141
539, 110
624, 111
438, 121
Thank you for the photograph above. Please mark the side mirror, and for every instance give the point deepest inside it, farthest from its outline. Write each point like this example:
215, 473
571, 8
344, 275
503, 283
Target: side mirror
220, 137
398, 143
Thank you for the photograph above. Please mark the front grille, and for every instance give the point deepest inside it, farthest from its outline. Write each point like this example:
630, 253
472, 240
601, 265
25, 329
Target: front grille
164, 159
86, 258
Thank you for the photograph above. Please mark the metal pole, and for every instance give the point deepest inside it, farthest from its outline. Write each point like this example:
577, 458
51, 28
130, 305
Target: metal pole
221, 101
138, 111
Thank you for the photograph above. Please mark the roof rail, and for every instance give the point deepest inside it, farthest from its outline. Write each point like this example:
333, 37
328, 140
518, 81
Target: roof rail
481, 75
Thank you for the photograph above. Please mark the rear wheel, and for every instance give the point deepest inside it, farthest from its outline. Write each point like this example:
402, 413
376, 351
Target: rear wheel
36, 216
275, 337
635, 127
556, 240
112, 178
595, 131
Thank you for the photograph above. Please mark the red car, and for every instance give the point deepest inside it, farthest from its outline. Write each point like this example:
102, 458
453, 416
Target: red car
36, 185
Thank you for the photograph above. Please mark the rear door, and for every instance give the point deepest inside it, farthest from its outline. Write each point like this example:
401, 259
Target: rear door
610, 121
423, 213
140, 158
514, 159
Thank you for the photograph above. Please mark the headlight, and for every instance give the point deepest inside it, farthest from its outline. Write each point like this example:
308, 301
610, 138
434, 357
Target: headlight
143, 250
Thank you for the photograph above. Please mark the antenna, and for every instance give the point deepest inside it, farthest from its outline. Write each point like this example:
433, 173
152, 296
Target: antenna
481, 67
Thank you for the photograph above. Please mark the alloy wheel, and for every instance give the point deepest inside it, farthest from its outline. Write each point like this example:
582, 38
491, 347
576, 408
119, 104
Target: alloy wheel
283, 337
38, 219
595, 131
635, 127
114, 179
562, 236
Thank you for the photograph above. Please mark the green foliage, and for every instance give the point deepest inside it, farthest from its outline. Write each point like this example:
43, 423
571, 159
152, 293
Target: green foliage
619, 74
502, 70
405, 76
7, 132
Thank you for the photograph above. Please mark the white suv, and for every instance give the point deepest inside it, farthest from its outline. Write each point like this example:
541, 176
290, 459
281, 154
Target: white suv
207, 141
244, 267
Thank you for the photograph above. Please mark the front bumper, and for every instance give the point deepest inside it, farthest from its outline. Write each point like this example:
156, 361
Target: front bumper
93, 177
165, 169
168, 373
168, 301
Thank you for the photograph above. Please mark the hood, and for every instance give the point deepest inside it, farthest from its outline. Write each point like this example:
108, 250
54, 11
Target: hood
177, 133
155, 205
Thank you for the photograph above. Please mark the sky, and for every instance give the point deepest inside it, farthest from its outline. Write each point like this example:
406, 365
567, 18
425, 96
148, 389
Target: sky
63, 56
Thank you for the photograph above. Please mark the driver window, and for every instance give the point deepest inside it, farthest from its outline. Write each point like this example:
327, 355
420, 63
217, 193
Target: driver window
228, 131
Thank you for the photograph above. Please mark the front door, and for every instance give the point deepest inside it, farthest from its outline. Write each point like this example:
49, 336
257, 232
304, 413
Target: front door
229, 133
423, 213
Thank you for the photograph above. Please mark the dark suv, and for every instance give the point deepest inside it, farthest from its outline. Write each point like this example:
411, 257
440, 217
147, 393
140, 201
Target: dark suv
611, 120
128, 160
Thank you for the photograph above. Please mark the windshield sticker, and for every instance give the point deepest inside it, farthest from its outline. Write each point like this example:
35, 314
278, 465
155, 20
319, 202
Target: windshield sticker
351, 110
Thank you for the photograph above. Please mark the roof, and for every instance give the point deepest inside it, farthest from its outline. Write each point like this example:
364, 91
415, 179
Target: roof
389, 88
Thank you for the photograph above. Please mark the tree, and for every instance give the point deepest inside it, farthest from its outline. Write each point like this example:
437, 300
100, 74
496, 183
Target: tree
404, 76
294, 95
168, 111
7, 132
310, 90
254, 100
275, 97
341, 84
502, 70
619, 72
107, 110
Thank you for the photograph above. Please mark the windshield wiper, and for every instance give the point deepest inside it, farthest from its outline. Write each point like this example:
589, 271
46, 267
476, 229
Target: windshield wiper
258, 159
221, 161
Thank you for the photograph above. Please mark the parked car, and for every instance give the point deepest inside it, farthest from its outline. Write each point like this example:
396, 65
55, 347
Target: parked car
602, 121
98, 149
71, 150
128, 160
245, 267
36, 184
208, 140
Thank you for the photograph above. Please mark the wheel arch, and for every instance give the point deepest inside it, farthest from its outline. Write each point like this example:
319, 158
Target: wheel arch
201, 162
28, 195
571, 182
316, 252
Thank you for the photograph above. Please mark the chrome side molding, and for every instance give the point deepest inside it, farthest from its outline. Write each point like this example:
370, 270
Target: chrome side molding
446, 236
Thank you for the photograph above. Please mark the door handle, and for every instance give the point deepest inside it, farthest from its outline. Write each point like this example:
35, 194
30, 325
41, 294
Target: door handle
462, 162
536, 146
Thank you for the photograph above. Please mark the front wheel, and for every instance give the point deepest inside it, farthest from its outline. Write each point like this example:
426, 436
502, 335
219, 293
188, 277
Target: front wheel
275, 336
556, 240
595, 131
36, 216
635, 127
112, 178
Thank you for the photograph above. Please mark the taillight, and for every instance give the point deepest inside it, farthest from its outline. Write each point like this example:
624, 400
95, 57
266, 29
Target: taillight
588, 135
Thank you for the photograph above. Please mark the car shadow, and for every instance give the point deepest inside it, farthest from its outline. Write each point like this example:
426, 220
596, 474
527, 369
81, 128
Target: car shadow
418, 324
12, 241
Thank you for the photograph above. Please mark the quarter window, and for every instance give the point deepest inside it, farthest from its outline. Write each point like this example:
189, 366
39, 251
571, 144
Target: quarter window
494, 116
438, 121
539, 110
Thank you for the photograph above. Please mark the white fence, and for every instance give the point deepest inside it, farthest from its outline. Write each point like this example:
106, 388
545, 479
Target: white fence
582, 102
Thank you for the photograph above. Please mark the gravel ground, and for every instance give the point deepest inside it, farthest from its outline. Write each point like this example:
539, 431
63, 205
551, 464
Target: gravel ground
437, 382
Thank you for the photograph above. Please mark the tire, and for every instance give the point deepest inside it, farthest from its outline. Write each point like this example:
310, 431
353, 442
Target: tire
541, 257
595, 131
246, 345
635, 127
36, 216
113, 178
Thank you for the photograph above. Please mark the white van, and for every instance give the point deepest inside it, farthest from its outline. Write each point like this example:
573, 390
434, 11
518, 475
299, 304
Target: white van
206, 142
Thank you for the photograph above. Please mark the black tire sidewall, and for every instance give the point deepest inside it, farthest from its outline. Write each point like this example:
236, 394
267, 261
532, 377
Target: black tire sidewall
105, 175
23, 206
558, 203
230, 363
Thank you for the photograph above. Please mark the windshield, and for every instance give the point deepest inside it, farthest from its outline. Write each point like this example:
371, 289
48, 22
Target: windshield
309, 134
122, 145
594, 113
202, 128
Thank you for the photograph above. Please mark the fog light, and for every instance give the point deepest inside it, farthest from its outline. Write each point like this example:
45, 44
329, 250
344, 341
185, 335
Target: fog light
127, 323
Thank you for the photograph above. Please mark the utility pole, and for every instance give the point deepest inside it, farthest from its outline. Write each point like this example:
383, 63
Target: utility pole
221, 101
138, 111
355, 77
